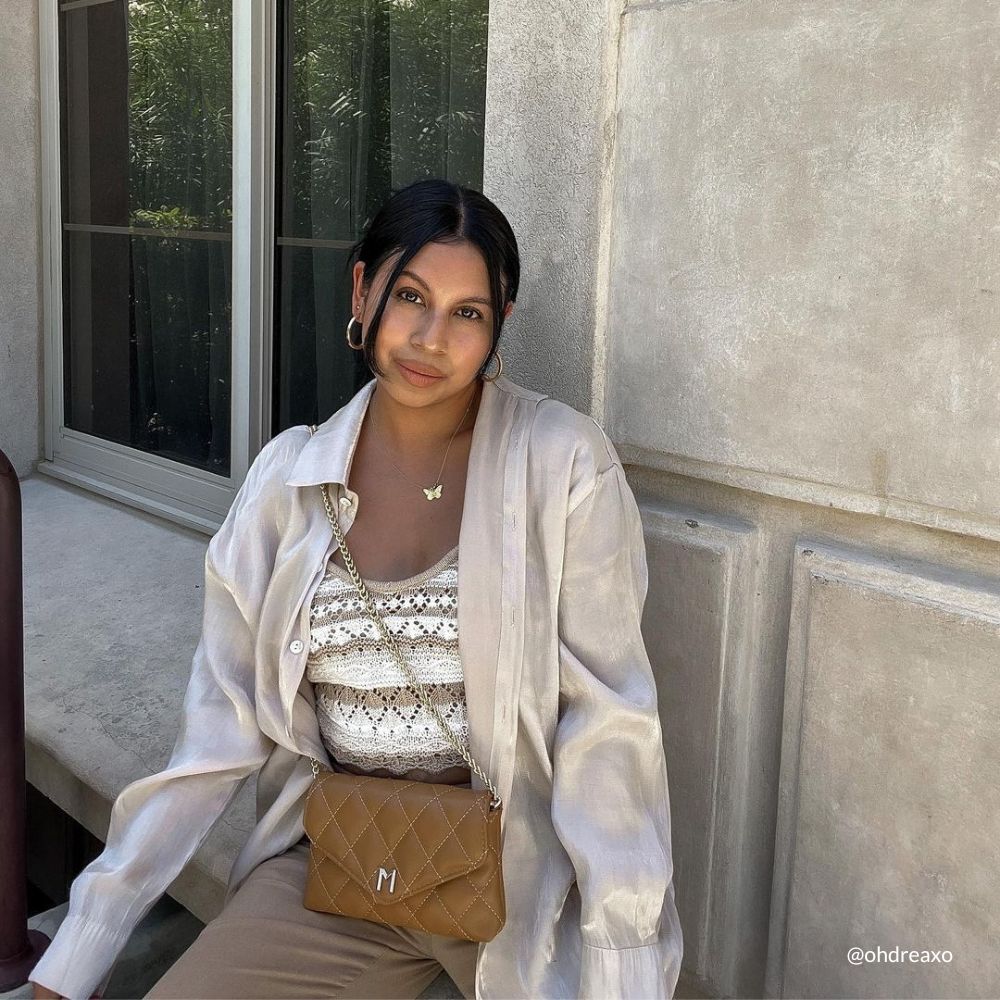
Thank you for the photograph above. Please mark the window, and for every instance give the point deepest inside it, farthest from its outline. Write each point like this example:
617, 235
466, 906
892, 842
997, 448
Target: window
208, 165
373, 95
146, 130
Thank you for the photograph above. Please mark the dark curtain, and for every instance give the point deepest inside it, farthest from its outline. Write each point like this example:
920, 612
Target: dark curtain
146, 151
375, 94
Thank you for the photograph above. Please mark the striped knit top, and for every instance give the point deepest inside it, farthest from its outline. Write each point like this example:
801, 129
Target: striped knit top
369, 715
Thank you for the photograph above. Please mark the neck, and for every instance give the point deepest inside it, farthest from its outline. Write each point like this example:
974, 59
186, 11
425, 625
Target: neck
420, 429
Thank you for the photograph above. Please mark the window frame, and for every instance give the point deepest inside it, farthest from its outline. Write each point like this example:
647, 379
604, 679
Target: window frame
167, 488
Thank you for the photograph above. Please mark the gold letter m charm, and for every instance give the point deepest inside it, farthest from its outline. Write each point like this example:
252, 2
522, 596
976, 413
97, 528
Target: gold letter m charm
383, 876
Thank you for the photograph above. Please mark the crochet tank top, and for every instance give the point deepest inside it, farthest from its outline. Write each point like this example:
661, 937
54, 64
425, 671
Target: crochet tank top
369, 715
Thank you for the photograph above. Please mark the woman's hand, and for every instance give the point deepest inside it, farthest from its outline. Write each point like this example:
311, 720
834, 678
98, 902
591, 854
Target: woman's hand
41, 993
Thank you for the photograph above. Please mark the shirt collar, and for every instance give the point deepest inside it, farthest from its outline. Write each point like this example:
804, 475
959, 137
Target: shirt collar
326, 456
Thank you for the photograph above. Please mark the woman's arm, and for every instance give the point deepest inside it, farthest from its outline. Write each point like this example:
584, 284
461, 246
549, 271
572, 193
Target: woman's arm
159, 822
609, 801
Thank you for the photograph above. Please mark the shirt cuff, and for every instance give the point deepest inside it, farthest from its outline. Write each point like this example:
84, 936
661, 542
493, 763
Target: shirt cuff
642, 973
78, 960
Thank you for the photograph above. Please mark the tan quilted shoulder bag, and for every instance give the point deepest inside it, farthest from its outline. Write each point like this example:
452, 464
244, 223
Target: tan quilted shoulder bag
408, 853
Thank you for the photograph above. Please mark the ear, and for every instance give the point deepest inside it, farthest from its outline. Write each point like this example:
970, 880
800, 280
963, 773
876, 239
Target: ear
358, 294
507, 311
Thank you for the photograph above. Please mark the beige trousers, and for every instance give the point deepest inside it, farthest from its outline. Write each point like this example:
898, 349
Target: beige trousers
265, 943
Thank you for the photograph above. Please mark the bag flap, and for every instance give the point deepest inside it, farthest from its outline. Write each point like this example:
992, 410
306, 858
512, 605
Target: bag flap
425, 833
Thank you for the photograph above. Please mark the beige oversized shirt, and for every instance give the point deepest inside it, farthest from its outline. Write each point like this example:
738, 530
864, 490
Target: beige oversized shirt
561, 702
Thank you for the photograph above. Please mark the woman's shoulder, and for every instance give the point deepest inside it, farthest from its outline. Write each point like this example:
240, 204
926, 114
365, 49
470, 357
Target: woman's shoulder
265, 480
568, 450
276, 458
559, 432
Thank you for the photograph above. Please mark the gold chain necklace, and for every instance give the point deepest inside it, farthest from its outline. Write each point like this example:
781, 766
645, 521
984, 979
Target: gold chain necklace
434, 492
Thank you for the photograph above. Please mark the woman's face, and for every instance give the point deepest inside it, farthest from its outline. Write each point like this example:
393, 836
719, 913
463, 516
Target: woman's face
437, 326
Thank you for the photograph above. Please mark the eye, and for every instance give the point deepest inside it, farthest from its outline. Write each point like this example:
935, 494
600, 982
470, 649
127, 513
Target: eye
476, 314
405, 292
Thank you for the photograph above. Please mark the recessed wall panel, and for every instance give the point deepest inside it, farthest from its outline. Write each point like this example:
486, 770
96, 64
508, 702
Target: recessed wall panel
890, 783
696, 625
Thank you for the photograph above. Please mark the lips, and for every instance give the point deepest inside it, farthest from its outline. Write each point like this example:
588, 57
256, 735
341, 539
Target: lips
421, 369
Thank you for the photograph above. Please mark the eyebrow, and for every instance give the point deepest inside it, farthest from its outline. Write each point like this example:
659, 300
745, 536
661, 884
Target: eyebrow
420, 281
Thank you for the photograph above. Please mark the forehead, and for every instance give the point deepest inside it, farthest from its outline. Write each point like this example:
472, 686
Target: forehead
451, 268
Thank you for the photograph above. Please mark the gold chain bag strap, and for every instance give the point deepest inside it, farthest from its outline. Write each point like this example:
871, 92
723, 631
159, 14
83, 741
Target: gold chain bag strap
408, 853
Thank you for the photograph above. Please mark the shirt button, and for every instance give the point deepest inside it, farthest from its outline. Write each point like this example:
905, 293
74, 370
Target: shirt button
296, 646
346, 501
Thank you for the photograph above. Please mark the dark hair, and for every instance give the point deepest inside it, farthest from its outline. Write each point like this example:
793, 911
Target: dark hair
438, 211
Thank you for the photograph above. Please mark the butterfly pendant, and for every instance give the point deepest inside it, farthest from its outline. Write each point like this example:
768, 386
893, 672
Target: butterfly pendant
434, 493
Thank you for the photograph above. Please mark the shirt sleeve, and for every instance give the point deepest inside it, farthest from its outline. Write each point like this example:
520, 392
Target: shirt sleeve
610, 804
159, 822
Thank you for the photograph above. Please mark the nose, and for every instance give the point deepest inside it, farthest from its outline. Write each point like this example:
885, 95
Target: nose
431, 334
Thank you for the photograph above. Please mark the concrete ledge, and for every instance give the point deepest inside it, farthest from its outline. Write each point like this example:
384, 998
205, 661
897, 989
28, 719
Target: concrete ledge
112, 607
112, 604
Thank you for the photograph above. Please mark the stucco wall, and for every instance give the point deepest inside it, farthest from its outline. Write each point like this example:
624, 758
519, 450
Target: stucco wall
20, 305
778, 223
549, 128
805, 248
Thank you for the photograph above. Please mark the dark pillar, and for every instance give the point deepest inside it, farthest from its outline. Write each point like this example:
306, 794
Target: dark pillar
20, 948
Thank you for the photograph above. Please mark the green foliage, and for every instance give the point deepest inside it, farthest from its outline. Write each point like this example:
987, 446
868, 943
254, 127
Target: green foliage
379, 93
382, 92
180, 112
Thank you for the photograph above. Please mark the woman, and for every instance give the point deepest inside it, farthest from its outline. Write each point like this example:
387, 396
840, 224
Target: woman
456, 488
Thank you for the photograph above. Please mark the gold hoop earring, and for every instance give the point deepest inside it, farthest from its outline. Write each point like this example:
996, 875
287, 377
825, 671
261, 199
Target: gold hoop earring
350, 343
493, 378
